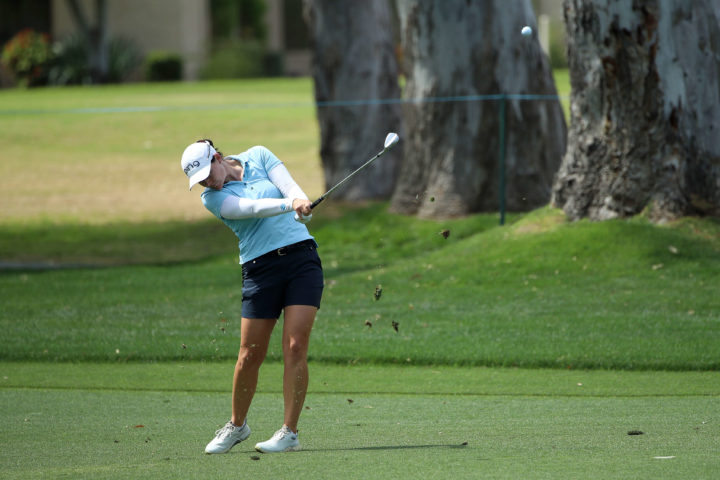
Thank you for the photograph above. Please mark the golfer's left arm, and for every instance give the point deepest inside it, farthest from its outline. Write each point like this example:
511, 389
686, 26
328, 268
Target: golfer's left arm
236, 208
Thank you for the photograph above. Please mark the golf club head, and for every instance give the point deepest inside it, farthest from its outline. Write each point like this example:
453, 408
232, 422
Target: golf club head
391, 139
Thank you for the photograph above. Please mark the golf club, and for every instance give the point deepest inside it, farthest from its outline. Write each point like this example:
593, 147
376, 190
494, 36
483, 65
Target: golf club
390, 140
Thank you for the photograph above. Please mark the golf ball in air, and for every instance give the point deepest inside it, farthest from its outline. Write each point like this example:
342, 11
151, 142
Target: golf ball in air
526, 31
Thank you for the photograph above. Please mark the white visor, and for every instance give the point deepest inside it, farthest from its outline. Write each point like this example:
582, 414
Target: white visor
196, 162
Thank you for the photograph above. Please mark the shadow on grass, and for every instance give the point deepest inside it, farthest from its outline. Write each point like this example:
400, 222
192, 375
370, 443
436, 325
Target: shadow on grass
346, 236
47, 246
444, 446
386, 447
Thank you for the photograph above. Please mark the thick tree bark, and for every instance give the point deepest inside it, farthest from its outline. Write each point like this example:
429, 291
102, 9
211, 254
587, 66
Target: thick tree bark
354, 66
455, 48
645, 128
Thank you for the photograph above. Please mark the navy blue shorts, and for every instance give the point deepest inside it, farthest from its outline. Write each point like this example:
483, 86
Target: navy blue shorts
289, 276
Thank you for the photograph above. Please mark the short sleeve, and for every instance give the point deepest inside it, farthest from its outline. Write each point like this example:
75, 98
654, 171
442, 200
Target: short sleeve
213, 200
265, 157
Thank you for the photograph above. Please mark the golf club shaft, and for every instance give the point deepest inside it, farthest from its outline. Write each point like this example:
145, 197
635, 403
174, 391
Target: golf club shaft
323, 196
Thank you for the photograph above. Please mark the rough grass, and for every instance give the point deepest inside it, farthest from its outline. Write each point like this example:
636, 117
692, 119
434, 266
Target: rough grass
562, 83
540, 292
101, 188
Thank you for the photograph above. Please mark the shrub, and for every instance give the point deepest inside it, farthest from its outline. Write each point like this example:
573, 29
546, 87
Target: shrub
558, 58
235, 59
72, 64
274, 64
124, 58
163, 66
238, 19
27, 56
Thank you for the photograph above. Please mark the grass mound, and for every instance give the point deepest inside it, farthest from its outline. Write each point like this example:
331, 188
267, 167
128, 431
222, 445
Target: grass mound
540, 292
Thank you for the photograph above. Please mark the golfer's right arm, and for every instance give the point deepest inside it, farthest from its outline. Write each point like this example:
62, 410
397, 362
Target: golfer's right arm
236, 208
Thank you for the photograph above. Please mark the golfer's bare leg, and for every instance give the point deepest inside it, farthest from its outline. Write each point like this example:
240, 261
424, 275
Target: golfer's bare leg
297, 325
254, 339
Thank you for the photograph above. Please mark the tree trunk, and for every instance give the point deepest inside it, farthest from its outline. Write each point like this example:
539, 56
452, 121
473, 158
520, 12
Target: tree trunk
455, 48
645, 128
353, 66
96, 37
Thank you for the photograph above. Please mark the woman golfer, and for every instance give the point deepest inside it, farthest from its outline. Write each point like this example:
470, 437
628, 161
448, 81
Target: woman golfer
255, 196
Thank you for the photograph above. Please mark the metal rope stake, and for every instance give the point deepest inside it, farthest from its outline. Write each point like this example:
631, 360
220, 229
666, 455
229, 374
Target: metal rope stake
501, 159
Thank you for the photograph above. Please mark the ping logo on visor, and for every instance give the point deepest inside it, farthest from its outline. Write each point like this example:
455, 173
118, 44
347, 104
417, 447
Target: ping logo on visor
191, 166
196, 161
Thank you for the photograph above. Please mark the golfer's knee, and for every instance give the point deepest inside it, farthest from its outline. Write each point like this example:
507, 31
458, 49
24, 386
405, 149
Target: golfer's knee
250, 357
295, 350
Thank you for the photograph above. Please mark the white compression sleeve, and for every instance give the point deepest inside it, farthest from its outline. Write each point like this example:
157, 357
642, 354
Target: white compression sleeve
283, 181
235, 208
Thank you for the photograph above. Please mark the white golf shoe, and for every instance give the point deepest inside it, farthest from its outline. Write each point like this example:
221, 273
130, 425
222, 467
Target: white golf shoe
284, 440
227, 437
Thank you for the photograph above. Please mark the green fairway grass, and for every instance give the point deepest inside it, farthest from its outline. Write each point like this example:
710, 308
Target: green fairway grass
154, 421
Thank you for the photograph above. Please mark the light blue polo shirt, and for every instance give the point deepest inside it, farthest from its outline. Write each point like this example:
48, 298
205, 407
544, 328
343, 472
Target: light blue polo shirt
256, 235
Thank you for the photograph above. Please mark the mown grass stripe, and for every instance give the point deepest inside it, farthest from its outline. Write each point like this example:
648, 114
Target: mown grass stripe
375, 379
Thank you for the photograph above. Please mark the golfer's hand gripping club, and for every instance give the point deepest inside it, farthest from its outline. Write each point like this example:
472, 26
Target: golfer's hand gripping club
390, 140
302, 214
